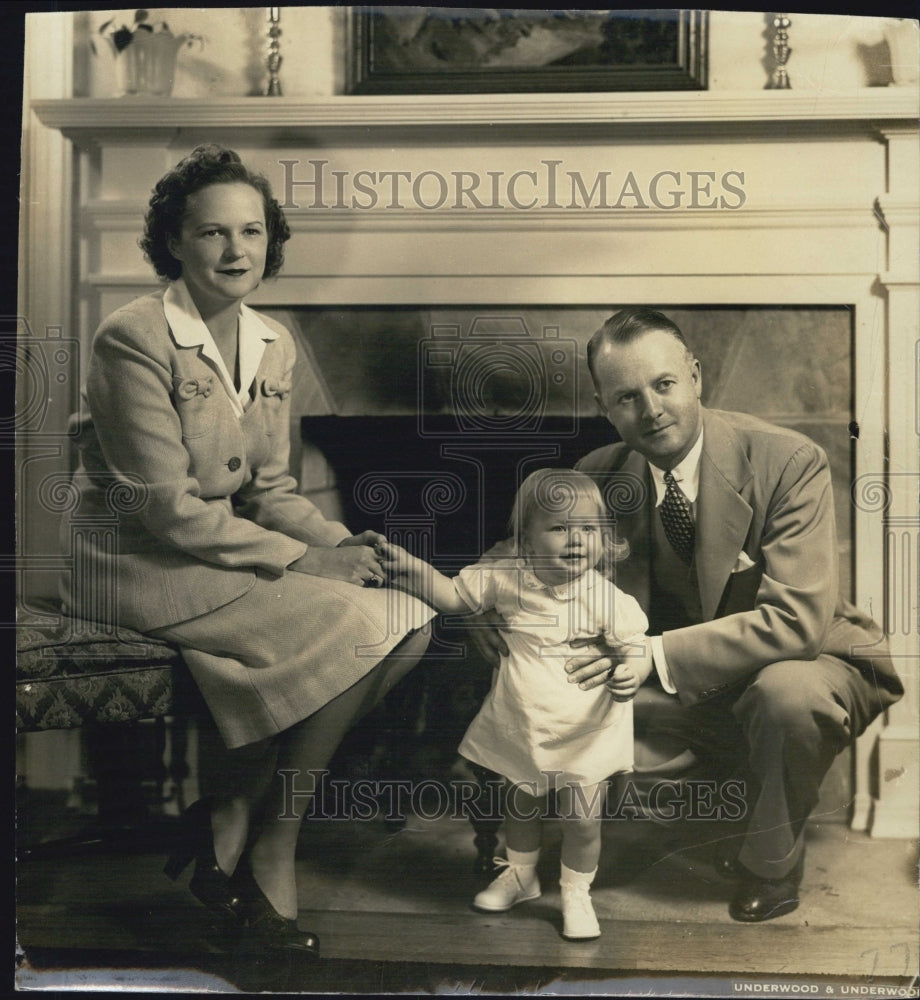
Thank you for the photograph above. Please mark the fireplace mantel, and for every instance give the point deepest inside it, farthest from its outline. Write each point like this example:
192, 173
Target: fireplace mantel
383, 118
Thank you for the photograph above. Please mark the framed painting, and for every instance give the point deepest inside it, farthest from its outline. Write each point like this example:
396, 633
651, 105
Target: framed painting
439, 50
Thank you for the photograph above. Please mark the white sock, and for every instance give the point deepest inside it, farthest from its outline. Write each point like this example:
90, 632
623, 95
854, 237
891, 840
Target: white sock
571, 877
523, 859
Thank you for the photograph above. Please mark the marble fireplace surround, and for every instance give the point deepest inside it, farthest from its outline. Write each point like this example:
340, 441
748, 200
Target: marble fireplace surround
829, 220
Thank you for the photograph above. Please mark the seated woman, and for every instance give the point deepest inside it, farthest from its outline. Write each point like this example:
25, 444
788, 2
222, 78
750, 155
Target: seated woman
187, 415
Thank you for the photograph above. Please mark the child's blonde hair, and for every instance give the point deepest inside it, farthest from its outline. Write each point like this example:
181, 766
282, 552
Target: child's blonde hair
548, 490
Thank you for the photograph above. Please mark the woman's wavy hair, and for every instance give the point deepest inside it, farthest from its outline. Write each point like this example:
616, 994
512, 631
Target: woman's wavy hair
204, 166
546, 490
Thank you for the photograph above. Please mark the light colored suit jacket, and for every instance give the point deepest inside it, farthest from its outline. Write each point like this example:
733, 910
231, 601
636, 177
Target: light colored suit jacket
168, 462
766, 558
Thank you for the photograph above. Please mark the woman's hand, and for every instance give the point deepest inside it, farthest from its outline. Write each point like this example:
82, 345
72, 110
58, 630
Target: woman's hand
372, 538
351, 561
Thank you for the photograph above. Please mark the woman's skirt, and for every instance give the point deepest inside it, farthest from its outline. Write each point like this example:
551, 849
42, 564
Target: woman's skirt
287, 647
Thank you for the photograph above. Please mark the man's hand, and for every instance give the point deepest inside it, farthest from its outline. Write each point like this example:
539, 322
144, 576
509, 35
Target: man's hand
484, 632
601, 665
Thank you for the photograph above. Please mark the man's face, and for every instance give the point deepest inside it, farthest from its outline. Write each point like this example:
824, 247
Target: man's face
650, 391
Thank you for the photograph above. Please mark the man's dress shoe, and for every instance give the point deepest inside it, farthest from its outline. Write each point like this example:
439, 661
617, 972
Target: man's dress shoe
758, 899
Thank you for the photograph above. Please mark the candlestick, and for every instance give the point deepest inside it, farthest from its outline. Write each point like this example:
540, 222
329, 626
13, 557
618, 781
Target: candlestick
781, 52
273, 62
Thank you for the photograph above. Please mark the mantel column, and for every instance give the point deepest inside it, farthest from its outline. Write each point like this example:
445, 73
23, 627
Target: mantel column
47, 351
896, 811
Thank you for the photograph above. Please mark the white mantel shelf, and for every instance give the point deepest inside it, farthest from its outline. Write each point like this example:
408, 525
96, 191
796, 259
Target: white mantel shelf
85, 119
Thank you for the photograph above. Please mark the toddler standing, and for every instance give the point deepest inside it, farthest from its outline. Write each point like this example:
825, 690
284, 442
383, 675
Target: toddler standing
535, 728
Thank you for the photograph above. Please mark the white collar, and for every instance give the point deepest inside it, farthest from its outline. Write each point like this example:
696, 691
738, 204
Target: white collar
561, 591
687, 473
189, 330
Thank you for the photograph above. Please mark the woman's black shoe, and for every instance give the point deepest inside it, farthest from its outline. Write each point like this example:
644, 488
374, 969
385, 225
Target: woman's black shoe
209, 883
264, 922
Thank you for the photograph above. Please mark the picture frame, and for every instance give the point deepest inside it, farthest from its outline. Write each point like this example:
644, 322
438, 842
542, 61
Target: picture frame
427, 50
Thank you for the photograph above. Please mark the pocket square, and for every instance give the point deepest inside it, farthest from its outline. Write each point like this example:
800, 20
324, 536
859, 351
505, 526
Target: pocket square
742, 563
189, 388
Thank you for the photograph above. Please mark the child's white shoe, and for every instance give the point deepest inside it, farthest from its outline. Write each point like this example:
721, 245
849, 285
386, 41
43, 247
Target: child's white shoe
515, 884
579, 921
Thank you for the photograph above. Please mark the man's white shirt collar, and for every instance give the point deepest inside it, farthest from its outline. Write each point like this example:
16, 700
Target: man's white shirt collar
687, 474
189, 330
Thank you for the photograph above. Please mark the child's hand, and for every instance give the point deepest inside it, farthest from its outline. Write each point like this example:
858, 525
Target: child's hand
396, 560
625, 679
404, 570
622, 682
407, 572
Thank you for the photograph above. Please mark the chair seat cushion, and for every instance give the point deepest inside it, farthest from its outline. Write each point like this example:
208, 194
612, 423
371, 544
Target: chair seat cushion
71, 672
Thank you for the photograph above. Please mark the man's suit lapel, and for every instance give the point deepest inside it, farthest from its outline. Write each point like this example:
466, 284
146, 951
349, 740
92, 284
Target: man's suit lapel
632, 523
723, 515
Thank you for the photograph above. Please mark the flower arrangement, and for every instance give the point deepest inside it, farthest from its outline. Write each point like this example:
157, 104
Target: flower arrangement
122, 37
145, 53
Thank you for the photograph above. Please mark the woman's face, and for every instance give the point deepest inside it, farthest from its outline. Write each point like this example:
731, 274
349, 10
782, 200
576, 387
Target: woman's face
222, 244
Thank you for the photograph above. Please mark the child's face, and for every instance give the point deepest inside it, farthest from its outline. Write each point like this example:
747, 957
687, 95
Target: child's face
564, 545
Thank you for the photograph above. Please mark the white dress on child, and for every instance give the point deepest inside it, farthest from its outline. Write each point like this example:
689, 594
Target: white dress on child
534, 727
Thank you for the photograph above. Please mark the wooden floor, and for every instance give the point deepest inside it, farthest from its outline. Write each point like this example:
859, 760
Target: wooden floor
393, 913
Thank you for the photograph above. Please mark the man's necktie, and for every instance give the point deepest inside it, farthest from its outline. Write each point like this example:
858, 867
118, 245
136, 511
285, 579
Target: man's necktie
677, 519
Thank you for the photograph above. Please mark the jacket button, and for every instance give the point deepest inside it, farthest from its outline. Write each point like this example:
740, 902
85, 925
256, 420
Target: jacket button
234, 464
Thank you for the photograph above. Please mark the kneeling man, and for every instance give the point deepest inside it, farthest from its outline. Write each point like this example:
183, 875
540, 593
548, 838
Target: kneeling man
733, 557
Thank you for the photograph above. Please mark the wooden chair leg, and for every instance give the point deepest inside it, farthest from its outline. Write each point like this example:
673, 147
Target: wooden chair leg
125, 760
178, 768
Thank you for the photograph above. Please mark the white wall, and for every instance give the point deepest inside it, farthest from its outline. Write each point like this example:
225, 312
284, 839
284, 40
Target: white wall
828, 51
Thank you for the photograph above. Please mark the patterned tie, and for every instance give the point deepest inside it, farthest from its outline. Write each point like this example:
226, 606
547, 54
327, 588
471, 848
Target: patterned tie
677, 520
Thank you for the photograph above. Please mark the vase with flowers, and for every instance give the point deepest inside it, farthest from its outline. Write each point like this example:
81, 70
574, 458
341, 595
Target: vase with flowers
145, 54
